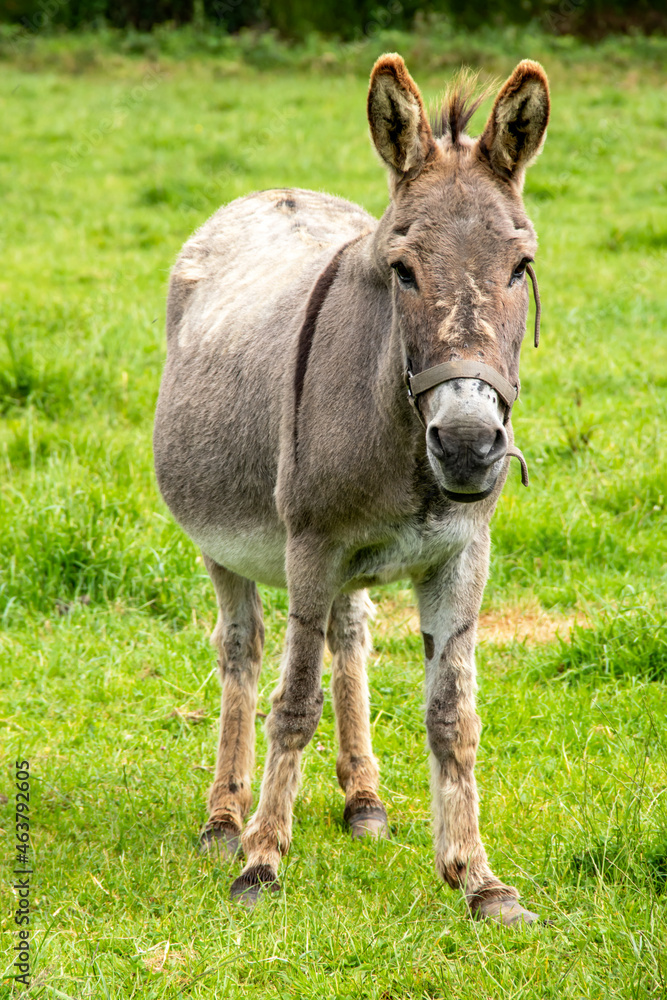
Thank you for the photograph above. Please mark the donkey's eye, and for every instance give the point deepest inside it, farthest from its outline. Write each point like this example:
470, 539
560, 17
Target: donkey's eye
520, 270
405, 274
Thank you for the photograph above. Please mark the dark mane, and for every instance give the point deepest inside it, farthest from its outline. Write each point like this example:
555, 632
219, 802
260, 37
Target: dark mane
459, 104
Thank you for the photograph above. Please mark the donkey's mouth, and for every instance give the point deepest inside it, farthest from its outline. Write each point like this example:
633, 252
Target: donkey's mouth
466, 476
468, 497
465, 489
474, 496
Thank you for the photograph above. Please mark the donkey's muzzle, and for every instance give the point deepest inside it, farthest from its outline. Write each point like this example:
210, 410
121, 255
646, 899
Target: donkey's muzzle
468, 454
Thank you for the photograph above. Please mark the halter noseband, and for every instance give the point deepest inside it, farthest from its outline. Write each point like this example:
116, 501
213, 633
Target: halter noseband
431, 377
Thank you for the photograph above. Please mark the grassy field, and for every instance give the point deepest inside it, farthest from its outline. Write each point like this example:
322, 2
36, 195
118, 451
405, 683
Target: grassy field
107, 680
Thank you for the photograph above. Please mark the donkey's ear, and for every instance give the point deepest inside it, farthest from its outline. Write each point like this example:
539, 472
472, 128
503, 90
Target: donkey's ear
517, 124
399, 126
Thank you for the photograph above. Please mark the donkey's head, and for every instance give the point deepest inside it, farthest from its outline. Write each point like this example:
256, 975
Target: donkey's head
455, 243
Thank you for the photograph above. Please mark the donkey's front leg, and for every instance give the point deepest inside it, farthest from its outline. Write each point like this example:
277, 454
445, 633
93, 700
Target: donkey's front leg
295, 713
449, 605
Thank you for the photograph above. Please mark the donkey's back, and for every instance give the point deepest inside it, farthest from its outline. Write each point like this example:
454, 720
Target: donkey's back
251, 258
236, 300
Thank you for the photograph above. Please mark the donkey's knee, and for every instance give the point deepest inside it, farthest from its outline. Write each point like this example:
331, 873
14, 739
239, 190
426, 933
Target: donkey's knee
239, 646
239, 631
292, 723
347, 631
453, 733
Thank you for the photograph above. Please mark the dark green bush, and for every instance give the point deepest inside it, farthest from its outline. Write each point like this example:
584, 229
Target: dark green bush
144, 14
345, 19
232, 15
40, 15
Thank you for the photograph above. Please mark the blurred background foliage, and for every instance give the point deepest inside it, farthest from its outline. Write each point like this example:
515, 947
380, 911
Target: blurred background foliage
346, 19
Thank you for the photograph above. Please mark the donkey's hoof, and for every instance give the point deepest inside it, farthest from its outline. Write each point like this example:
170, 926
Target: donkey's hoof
247, 888
224, 839
370, 821
507, 911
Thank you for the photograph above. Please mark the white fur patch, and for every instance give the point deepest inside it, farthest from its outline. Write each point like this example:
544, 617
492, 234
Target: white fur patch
248, 254
414, 550
468, 297
256, 555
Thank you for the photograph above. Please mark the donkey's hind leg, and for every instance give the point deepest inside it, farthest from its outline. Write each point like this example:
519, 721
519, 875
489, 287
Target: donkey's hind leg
349, 641
239, 638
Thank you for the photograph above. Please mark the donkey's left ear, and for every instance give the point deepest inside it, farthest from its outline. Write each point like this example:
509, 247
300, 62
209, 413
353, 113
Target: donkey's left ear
396, 115
517, 125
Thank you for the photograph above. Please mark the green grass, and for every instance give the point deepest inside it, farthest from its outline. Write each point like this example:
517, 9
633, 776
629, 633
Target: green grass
107, 680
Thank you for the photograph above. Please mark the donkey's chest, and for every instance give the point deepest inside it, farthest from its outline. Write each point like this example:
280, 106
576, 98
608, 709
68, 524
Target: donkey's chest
411, 550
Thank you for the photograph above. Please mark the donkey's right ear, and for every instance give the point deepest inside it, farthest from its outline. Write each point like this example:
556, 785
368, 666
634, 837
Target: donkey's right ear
399, 126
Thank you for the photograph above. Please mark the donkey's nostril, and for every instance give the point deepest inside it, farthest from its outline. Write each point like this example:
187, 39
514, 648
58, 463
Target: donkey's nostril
444, 445
491, 449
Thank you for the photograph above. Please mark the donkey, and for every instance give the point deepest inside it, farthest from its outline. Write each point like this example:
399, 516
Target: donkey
335, 413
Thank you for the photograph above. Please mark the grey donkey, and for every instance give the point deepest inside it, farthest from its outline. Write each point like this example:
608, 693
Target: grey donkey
335, 413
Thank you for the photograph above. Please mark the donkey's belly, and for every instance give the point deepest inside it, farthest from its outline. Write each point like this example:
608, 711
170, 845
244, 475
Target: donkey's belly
257, 554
